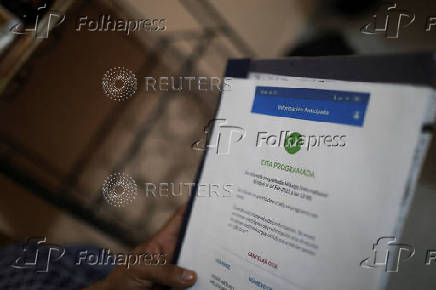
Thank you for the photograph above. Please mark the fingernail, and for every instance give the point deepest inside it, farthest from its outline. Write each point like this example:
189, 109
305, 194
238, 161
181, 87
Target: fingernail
188, 276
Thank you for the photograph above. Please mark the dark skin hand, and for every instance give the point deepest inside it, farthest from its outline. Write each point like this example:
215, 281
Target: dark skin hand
140, 276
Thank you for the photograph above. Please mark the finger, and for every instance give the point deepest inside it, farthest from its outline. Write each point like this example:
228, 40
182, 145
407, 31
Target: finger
167, 275
165, 240
172, 226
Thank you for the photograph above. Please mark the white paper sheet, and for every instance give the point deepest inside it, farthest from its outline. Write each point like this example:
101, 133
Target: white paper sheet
303, 220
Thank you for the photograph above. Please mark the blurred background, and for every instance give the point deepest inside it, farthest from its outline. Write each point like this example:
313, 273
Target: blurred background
60, 136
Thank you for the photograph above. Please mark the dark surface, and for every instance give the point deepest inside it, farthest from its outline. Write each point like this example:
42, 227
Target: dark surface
417, 69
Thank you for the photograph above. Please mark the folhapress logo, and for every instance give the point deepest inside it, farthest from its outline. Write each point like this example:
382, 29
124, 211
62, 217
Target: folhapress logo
106, 23
38, 255
54, 18
387, 253
389, 20
295, 141
119, 84
222, 141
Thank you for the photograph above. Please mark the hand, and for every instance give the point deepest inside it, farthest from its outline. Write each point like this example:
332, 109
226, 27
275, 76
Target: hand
142, 276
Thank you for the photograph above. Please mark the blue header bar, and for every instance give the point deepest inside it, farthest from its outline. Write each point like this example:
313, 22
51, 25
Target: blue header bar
318, 105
